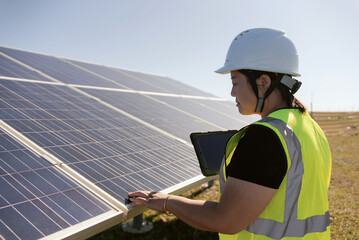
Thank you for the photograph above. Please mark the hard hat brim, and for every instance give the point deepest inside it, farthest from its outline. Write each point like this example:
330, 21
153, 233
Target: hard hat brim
227, 69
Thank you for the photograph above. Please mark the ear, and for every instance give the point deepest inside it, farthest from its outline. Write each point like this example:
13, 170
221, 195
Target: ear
263, 83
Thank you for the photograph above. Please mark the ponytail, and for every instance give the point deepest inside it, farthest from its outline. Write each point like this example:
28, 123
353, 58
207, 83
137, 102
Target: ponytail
292, 101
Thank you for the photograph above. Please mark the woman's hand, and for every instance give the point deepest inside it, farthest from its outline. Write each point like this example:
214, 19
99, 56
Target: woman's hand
152, 200
240, 204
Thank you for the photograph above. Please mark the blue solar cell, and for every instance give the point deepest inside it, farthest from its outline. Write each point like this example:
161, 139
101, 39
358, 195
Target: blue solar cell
145, 176
2, 171
10, 194
163, 171
3, 202
8, 143
122, 77
221, 113
30, 161
42, 184
37, 218
48, 211
11, 219
167, 84
117, 165
156, 113
12, 164
75, 209
9, 68
27, 185
117, 188
90, 173
58, 205
87, 202
54, 179
57, 68
141, 81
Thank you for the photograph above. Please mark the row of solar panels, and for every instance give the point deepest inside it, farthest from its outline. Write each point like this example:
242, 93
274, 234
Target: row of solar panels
75, 138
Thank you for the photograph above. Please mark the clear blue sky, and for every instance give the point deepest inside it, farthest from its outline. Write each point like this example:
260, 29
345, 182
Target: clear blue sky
187, 40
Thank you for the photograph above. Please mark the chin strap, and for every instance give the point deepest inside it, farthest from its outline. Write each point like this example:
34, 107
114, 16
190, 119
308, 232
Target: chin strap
260, 101
260, 105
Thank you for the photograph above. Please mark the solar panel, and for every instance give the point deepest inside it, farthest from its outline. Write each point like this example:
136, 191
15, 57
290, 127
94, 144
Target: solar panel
141, 81
110, 130
88, 137
9, 68
160, 114
56, 68
36, 199
124, 78
166, 83
219, 112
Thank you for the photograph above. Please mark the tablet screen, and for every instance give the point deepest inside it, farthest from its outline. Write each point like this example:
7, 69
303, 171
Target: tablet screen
210, 149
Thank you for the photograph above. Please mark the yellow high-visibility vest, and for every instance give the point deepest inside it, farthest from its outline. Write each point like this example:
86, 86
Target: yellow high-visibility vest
299, 209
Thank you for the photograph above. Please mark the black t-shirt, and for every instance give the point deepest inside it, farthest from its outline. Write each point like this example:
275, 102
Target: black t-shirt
259, 158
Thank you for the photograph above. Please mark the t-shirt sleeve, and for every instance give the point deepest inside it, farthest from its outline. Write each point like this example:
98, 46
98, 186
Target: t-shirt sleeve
259, 158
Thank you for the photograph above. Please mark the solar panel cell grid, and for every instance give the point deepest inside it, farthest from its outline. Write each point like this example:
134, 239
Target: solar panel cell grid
106, 134
221, 113
9, 68
57, 68
37, 196
141, 81
156, 113
123, 78
120, 141
167, 84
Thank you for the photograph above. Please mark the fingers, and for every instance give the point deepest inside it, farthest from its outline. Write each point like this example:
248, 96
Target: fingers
144, 194
140, 197
139, 194
153, 200
137, 198
138, 201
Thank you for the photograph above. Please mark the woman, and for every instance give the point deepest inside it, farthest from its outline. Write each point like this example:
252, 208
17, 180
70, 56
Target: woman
275, 176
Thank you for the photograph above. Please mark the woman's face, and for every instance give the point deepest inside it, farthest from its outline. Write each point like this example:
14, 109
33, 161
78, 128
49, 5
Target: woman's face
241, 89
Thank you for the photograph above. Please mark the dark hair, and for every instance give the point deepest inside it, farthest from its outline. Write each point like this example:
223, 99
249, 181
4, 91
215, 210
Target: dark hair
291, 101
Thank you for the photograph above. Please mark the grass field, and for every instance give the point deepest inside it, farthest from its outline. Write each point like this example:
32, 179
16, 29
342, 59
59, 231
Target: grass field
342, 130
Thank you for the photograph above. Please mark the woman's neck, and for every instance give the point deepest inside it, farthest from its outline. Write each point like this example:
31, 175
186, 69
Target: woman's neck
272, 103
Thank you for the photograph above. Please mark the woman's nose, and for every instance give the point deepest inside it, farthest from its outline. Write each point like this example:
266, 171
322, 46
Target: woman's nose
233, 93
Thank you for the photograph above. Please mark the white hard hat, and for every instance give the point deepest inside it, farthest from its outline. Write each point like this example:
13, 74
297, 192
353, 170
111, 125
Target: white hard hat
262, 49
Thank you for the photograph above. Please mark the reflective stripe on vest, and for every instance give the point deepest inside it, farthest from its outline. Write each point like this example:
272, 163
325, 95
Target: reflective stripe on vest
289, 225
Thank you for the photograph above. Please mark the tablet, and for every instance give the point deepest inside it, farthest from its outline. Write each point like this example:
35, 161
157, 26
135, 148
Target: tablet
210, 149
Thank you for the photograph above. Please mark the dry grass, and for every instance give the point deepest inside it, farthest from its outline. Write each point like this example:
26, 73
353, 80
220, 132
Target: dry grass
342, 131
344, 189
338, 123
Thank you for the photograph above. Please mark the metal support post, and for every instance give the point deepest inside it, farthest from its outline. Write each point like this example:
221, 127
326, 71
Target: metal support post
137, 225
